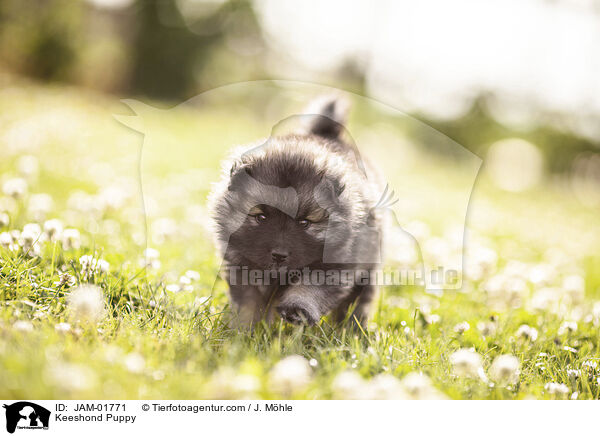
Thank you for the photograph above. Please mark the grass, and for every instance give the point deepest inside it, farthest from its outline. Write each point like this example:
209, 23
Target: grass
153, 342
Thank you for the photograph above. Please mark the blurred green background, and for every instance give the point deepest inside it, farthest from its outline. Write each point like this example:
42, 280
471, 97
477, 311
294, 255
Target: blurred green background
172, 50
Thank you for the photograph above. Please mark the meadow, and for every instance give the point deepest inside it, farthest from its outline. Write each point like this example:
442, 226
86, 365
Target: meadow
107, 272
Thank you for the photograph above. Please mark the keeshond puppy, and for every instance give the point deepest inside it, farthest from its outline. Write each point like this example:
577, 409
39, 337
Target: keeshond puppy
298, 224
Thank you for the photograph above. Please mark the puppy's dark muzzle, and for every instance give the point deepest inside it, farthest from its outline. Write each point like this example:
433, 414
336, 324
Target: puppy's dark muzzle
295, 314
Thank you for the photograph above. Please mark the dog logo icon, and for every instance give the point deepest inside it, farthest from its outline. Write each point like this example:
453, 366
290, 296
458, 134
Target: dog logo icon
26, 415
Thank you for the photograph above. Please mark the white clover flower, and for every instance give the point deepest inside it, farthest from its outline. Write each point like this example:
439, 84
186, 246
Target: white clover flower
151, 253
567, 327
65, 279
151, 258
62, 327
103, 265
505, 369
541, 274
72, 377
30, 239
53, 229
7, 241
192, 275
574, 287
90, 266
466, 363
82, 202
505, 289
4, 219
415, 383
516, 268
135, 363
462, 327
71, 239
545, 299
246, 385
23, 326
31, 234
113, 354
199, 301
573, 374
112, 197
527, 332
39, 205
349, 385
479, 261
15, 188
86, 303
589, 365
419, 387
87, 260
226, 383
33, 228
163, 229
432, 318
173, 287
185, 284
558, 389
386, 387
487, 328
290, 375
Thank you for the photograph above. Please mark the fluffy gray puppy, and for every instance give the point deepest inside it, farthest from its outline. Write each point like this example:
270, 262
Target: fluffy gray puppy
299, 224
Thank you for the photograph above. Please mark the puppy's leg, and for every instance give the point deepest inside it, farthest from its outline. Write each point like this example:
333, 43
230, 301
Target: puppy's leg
363, 296
307, 304
364, 302
341, 311
248, 305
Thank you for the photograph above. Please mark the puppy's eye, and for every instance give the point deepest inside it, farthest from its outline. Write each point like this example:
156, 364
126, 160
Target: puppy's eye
304, 223
260, 218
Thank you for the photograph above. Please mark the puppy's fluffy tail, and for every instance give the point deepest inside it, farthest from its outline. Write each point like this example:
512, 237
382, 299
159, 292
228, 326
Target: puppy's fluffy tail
327, 116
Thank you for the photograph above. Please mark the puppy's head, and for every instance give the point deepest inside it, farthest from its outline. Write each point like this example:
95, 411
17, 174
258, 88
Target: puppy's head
280, 203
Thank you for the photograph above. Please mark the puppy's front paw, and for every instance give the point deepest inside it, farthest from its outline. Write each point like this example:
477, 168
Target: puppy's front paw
295, 314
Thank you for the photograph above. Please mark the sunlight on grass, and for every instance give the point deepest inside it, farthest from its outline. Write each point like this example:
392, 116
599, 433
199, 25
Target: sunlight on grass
88, 313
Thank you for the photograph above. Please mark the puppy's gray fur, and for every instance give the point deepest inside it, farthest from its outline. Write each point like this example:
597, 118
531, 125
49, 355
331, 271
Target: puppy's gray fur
299, 201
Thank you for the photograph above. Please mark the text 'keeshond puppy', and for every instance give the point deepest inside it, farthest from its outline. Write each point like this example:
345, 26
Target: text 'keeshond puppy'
298, 224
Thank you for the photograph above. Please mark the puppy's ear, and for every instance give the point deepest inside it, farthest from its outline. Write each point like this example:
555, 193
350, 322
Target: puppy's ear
235, 166
328, 115
238, 175
328, 191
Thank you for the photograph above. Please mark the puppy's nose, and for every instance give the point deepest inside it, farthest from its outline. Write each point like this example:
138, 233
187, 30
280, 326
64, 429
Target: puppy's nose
279, 255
